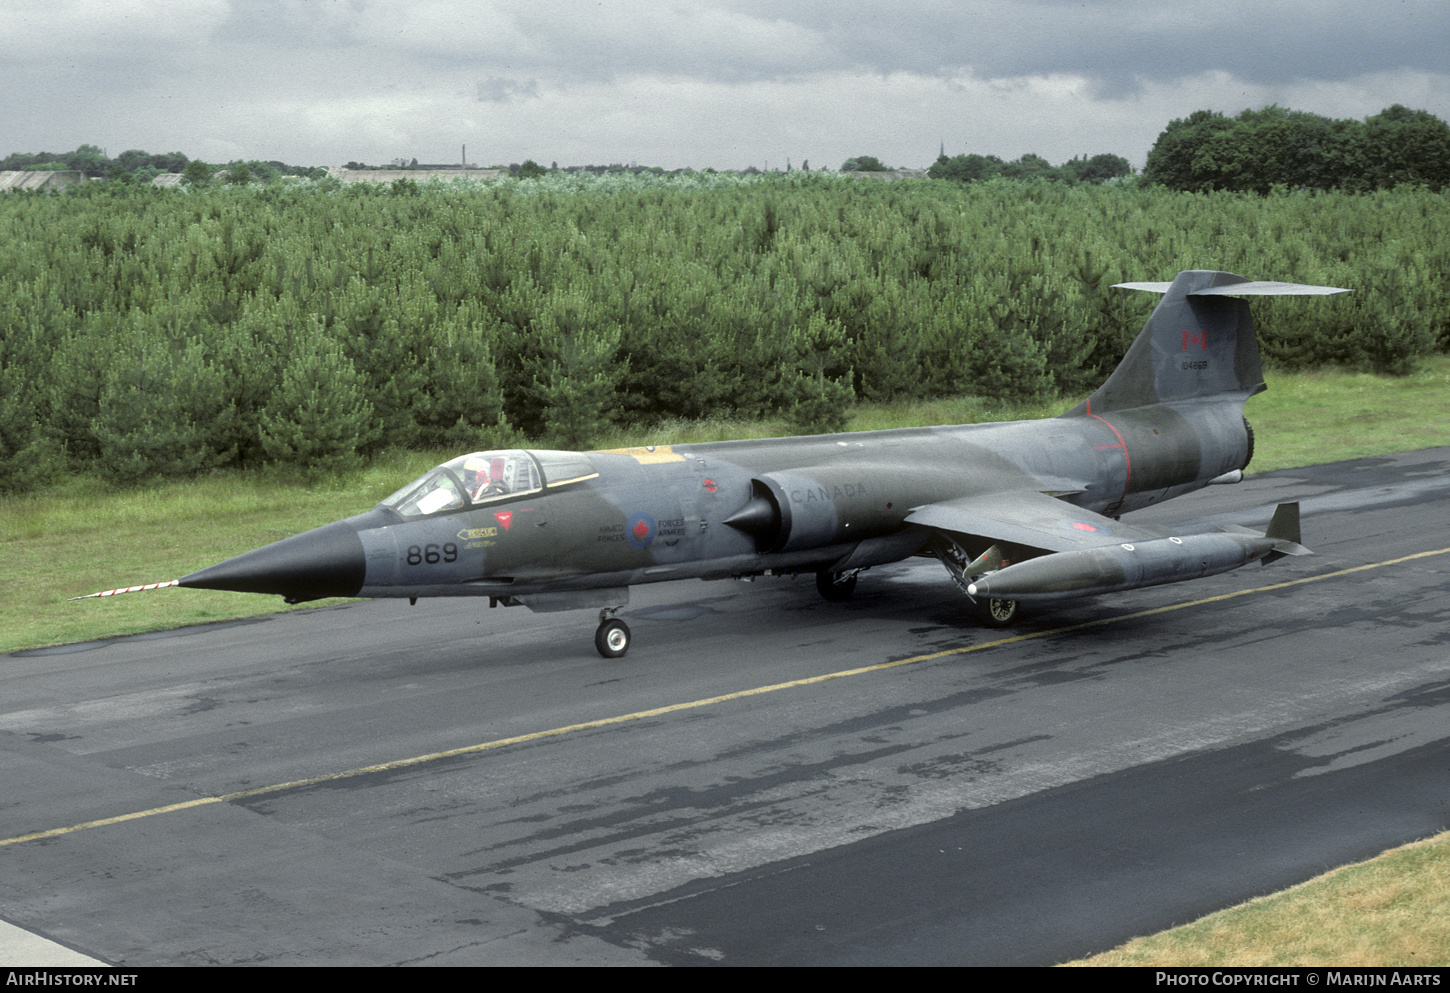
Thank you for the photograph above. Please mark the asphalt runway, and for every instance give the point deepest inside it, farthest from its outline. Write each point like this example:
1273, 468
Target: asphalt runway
754, 783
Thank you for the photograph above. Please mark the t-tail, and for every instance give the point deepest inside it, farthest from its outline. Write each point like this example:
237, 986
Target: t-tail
1199, 342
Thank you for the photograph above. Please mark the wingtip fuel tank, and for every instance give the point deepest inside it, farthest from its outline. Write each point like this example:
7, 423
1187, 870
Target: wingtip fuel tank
1130, 565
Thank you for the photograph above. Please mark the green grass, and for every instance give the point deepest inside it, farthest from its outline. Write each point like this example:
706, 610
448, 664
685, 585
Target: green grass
82, 537
1308, 418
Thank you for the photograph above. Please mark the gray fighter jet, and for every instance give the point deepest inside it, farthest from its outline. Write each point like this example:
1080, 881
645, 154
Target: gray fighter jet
1020, 512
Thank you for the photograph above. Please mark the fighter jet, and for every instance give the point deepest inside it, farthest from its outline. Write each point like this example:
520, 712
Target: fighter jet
1022, 512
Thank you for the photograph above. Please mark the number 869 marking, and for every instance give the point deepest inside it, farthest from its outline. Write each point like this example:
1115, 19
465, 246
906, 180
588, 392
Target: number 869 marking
431, 554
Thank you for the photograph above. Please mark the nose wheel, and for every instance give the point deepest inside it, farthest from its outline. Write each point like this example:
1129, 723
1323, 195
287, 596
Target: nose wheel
612, 637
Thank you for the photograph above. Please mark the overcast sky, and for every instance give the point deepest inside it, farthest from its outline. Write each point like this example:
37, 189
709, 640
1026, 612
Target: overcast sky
722, 83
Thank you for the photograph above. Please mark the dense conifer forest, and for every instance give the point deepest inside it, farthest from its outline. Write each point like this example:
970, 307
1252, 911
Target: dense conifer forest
148, 332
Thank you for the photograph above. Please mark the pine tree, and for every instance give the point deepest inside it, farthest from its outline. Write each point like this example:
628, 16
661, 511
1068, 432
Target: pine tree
21, 441
822, 402
319, 418
163, 410
461, 403
576, 381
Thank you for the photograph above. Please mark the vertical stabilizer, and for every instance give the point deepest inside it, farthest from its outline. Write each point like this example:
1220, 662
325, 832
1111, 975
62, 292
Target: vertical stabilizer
1198, 342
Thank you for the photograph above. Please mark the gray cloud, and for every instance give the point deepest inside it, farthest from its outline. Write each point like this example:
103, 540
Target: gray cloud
1116, 43
705, 82
496, 89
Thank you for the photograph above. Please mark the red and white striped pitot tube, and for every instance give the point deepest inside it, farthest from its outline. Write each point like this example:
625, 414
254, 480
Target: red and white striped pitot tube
126, 589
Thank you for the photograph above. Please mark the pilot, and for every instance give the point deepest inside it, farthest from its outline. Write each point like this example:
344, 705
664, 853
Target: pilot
484, 478
483, 486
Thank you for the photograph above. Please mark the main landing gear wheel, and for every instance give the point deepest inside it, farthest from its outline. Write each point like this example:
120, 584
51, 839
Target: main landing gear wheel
612, 638
836, 586
996, 613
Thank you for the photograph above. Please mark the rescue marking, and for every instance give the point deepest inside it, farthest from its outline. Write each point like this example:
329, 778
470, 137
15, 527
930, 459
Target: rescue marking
470, 534
674, 708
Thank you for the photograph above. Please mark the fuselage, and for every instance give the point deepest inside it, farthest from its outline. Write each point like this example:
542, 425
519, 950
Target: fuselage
605, 521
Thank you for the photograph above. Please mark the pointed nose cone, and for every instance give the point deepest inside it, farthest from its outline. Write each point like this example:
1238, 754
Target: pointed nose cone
758, 518
323, 562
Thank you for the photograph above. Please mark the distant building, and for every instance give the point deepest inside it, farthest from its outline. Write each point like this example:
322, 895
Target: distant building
887, 175
27, 180
421, 174
415, 164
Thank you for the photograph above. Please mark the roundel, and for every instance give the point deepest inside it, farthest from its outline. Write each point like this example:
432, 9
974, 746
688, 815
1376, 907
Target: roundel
640, 531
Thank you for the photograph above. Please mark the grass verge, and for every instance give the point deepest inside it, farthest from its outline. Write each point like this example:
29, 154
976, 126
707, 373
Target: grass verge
1393, 910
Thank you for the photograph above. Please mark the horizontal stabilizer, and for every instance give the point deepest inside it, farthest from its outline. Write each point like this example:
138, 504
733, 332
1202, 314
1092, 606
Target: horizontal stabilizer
1248, 288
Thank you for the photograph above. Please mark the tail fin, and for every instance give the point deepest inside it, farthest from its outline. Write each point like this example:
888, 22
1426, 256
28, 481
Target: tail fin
1198, 342
1284, 525
1284, 530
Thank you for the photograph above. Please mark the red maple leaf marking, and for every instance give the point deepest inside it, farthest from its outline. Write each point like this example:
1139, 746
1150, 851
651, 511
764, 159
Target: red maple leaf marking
641, 530
1083, 527
504, 517
709, 486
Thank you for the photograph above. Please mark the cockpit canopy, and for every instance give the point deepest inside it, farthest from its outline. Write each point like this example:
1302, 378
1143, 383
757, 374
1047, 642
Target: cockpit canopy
487, 477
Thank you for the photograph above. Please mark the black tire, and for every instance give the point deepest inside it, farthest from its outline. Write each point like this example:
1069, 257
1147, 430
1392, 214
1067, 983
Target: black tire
612, 638
995, 613
833, 588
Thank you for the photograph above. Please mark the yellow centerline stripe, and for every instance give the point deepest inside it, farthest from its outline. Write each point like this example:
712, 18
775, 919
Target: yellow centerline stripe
103, 822
674, 708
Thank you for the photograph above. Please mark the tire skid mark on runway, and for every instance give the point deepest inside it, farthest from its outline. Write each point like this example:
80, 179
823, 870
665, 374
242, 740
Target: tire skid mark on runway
639, 715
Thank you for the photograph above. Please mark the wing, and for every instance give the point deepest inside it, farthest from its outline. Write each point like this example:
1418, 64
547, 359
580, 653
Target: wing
1027, 517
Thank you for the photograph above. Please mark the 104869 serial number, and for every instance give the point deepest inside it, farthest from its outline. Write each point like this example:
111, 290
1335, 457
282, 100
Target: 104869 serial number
432, 554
